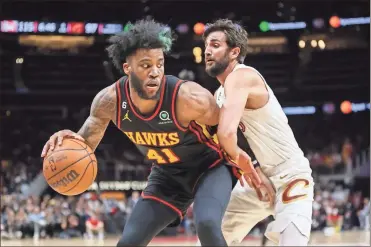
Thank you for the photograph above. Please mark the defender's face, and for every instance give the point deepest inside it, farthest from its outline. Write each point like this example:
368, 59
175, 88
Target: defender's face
145, 70
216, 53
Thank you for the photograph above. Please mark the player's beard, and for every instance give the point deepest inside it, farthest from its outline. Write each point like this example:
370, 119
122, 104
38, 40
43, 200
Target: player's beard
218, 67
138, 86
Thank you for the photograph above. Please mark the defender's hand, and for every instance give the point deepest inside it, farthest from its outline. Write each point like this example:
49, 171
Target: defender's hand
249, 172
57, 138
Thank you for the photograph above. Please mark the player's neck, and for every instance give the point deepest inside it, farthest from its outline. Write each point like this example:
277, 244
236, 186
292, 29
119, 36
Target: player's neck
144, 106
223, 76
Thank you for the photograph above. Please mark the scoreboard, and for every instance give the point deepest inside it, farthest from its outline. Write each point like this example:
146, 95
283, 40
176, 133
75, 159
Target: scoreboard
70, 28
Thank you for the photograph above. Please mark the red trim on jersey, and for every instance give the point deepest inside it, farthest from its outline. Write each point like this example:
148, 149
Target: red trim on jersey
173, 101
165, 203
118, 111
205, 139
209, 142
215, 163
158, 106
201, 138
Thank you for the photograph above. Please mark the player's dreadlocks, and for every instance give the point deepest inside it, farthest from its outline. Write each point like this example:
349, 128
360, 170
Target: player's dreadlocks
143, 34
235, 33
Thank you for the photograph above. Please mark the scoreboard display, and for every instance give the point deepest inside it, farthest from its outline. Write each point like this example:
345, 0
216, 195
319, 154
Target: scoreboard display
70, 28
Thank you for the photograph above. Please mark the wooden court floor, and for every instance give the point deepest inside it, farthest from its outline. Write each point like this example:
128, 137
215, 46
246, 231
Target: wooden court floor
352, 238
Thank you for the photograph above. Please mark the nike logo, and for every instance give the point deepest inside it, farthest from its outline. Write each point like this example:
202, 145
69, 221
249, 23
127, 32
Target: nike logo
282, 177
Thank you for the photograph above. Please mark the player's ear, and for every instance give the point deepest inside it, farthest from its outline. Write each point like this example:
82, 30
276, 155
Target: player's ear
235, 52
126, 67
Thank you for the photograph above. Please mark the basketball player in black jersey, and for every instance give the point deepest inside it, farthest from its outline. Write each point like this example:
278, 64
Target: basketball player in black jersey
167, 119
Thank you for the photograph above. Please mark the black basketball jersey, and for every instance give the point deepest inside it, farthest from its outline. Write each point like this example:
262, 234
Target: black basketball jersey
159, 136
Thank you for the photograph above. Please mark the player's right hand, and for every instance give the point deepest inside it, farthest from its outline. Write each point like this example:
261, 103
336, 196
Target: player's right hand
57, 138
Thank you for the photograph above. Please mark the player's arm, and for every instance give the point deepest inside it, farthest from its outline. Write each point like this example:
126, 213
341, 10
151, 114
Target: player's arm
196, 103
102, 111
238, 85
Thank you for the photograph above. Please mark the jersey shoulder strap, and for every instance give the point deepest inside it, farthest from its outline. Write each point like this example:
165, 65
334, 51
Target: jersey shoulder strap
173, 84
120, 95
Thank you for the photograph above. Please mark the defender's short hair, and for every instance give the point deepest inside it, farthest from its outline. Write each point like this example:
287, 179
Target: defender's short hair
235, 33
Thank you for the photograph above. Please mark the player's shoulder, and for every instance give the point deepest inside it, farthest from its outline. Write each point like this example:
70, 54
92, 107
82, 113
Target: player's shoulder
244, 77
190, 87
109, 91
104, 103
107, 94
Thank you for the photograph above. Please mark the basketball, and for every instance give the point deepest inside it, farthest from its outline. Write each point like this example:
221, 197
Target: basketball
70, 168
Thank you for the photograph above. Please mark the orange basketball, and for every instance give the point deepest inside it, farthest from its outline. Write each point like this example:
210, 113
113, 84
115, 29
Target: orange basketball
70, 168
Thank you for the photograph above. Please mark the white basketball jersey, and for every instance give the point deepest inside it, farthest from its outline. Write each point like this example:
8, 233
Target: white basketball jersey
268, 132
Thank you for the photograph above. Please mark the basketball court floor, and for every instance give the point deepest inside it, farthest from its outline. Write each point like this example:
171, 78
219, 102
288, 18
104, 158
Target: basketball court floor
352, 238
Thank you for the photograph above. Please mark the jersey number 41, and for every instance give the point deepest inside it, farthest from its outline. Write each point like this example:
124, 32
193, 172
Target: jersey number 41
163, 156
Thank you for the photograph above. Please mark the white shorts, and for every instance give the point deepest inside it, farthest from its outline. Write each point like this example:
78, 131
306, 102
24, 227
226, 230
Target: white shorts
294, 197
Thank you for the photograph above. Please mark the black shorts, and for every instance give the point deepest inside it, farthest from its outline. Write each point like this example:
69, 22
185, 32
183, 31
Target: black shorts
176, 187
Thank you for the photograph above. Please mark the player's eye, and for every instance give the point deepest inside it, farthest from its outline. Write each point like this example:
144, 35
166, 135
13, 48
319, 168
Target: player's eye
146, 66
160, 65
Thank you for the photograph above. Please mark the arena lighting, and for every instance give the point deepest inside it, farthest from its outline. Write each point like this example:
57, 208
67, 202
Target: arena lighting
199, 28
19, 60
302, 44
346, 107
328, 108
318, 23
198, 59
182, 28
354, 21
299, 110
270, 26
336, 21
197, 51
356, 107
313, 43
321, 44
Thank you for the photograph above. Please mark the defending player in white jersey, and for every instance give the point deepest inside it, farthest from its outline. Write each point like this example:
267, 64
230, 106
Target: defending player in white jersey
248, 103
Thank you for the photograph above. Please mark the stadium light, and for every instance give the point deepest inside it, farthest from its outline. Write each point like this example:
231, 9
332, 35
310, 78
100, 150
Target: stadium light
346, 107
334, 21
302, 44
199, 28
313, 43
321, 44
197, 51
198, 59
19, 60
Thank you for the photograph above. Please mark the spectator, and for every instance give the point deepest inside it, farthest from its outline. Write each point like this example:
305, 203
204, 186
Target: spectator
94, 226
132, 201
38, 219
364, 215
71, 227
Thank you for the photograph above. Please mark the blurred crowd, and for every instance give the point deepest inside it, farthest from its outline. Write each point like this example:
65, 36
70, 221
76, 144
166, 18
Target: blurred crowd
87, 215
335, 208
